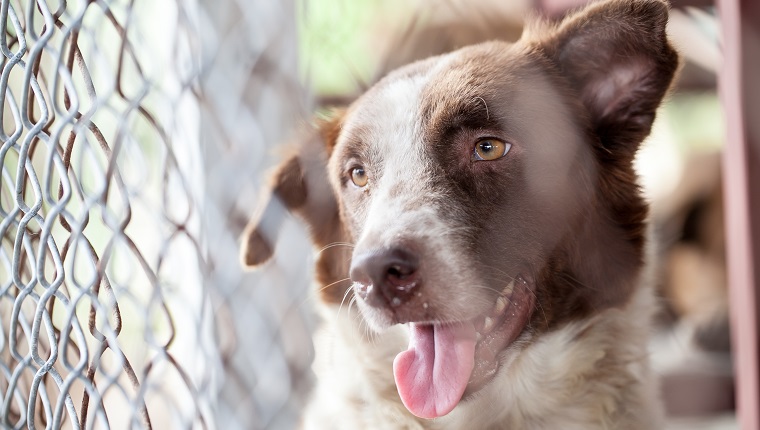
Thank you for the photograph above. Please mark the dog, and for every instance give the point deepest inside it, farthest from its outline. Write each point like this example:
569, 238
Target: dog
483, 260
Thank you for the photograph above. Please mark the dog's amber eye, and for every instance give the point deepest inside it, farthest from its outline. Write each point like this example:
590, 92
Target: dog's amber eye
490, 149
359, 176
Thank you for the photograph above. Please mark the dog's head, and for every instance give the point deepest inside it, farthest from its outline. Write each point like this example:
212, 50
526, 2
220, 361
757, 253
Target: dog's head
489, 193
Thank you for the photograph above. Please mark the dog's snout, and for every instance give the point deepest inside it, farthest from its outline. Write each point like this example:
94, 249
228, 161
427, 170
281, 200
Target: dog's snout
386, 277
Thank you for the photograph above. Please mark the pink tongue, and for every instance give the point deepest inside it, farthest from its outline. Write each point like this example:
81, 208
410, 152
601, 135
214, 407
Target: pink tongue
432, 374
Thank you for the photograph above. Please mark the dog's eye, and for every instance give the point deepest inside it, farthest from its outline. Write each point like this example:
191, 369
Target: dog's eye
490, 149
359, 176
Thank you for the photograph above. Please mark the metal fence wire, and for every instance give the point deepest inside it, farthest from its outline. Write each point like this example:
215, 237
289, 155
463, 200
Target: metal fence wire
134, 137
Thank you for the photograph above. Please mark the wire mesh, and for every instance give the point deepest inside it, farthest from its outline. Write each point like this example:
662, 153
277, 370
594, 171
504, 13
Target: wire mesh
134, 134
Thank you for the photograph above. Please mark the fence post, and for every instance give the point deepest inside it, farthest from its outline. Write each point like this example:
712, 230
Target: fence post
740, 92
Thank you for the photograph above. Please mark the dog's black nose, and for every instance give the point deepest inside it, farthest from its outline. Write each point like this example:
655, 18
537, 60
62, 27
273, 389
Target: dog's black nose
388, 277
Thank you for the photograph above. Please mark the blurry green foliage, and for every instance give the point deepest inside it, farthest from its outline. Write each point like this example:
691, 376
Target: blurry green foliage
340, 40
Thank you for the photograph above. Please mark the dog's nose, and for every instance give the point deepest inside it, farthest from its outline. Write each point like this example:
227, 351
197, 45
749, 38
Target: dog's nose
388, 277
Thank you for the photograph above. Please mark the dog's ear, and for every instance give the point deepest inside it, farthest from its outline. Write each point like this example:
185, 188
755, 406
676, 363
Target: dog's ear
617, 56
288, 189
300, 185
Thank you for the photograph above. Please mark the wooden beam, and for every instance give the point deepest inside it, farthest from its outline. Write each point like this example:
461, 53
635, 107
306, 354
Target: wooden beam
740, 94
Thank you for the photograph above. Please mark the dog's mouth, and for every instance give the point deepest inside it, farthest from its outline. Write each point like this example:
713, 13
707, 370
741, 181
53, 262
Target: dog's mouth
445, 362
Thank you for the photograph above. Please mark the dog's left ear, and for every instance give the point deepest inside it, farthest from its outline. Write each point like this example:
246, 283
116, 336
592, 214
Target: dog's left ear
617, 56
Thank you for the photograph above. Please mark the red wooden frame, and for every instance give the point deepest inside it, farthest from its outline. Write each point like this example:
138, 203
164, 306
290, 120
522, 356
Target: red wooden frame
740, 94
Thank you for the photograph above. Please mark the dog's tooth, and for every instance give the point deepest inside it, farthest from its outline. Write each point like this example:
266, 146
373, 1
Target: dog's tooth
425, 305
487, 324
478, 336
501, 304
509, 288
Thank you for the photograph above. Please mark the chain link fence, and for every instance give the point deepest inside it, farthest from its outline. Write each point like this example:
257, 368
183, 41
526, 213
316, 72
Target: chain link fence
134, 137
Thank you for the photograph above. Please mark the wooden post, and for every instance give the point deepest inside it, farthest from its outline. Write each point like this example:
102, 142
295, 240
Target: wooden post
740, 93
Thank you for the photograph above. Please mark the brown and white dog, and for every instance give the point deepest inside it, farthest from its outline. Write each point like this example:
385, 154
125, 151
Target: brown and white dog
481, 210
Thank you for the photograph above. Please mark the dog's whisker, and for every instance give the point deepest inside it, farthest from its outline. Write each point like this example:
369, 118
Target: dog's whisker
334, 244
363, 326
369, 334
319, 290
310, 296
543, 312
332, 283
348, 290
488, 266
500, 283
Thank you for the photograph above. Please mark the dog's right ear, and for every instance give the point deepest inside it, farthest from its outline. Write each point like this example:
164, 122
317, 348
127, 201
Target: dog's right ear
300, 185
